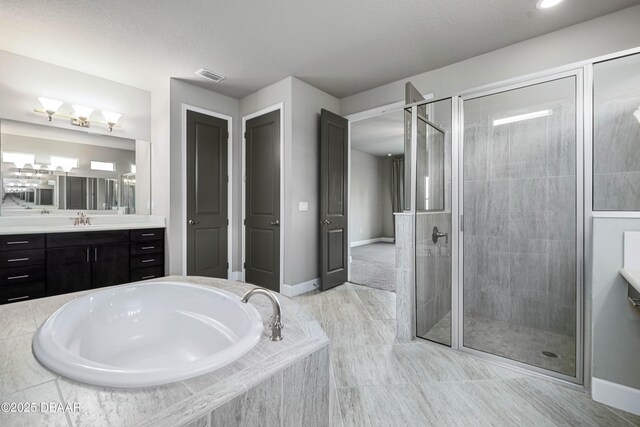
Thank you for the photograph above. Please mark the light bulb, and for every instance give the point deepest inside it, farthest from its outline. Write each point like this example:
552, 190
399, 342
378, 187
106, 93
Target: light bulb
546, 4
111, 118
50, 105
82, 112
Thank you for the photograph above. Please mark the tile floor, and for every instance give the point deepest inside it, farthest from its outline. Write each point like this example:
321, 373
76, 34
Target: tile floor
381, 382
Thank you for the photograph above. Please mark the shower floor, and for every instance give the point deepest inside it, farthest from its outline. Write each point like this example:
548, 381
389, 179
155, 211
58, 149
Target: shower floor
515, 342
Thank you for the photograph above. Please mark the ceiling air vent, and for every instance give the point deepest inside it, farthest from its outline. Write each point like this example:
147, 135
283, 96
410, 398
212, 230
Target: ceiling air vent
210, 75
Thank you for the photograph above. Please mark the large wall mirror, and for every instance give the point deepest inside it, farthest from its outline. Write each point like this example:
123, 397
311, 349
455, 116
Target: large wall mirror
49, 170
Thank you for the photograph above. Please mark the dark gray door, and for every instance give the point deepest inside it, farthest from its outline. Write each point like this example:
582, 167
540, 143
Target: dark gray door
333, 200
262, 204
207, 213
76, 192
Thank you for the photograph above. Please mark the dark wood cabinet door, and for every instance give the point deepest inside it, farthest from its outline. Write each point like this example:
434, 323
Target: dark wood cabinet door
68, 269
109, 265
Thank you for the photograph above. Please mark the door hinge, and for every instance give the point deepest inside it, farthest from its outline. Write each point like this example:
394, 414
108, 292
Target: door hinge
227, 178
227, 135
227, 221
227, 266
244, 221
245, 135
244, 265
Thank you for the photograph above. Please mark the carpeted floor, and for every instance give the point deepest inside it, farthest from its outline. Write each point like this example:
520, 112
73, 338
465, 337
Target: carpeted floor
374, 266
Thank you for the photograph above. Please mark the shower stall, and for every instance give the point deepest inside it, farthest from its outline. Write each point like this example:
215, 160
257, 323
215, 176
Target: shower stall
497, 215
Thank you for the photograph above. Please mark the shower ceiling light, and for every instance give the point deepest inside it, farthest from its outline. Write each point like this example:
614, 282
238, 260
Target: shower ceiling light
522, 117
546, 4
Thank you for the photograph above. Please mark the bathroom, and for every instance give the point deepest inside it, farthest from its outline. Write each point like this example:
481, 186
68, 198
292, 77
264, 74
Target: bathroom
514, 295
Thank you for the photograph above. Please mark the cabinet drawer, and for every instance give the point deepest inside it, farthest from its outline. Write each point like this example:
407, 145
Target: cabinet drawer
147, 234
21, 241
149, 247
12, 259
22, 293
150, 260
16, 276
146, 273
58, 240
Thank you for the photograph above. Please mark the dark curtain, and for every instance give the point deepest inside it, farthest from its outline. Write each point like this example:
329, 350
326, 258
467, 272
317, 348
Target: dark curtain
397, 187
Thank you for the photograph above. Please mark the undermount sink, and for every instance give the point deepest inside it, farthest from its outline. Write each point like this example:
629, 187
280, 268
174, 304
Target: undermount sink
147, 334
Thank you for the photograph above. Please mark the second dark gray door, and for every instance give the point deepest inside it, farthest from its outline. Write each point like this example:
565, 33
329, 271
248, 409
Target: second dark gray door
207, 211
334, 208
262, 222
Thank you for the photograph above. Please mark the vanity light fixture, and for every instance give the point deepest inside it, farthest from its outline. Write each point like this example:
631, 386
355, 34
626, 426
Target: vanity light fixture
82, 114
522, 117
18, 159
546, 4
111, 118
50, 105
637, 114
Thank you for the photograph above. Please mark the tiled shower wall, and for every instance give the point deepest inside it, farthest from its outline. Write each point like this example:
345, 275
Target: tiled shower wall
616, 157
519, 220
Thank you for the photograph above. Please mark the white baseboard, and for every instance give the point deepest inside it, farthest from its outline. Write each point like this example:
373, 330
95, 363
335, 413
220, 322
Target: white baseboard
616, 395
236, 275
370, 241
300, 288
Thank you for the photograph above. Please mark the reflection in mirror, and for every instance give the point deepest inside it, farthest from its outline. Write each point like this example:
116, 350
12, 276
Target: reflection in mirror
51, 170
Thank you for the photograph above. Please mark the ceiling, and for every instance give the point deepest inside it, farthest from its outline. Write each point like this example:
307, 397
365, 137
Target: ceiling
380, 135
340, 47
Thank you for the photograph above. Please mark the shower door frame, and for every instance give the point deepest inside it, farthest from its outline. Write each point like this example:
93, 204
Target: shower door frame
581, 155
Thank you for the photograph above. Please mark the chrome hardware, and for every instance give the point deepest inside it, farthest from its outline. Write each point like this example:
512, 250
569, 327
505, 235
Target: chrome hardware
436, 235
88, 255
18, 259
44, 211
151, 234
95, 254
275, 325
325, 222
22, 242
634, 301
18, 298
276, 222
144, 248
81, 219
24, 276
148, 260
191, 222
148, 277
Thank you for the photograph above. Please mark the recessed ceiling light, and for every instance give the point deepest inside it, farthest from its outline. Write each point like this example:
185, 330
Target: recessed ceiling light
210, 75
546, 4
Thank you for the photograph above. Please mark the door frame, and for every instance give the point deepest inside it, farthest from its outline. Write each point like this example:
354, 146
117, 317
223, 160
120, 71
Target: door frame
279, 106
356, 117
581, 379
183, 178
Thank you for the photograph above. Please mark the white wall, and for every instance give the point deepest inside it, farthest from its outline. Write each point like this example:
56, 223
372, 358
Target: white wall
616, 324
370, 195
303, 236
185, 93
600, 36
24, 80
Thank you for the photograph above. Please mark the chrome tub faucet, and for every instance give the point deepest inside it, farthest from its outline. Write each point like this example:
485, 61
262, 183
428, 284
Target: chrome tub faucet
276, 324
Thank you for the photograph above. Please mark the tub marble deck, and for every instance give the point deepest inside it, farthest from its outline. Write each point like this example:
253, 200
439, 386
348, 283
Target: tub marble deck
278, 375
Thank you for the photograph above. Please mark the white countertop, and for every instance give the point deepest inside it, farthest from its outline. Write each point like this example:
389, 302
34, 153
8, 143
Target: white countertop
64, 223
632, 276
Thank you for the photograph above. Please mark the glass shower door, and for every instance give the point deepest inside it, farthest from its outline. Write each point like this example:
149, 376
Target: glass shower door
521, 216
433, 220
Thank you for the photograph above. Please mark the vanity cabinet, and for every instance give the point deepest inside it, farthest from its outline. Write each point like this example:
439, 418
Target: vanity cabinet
38, 265
22, 267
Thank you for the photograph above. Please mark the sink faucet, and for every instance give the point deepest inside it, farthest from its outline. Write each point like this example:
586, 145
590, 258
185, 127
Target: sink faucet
275, 325
44, 211
82, 219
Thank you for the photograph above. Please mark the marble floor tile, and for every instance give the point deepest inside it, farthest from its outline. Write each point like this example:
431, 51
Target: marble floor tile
42, 393
25, 371
16, 319
313, 310
390, 405
356, 332
379, 304
360, 365
345, 312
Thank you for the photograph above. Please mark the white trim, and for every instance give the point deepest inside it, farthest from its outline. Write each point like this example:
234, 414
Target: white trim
300, 288
616, 395
616, 214
278, 106
236, 275
374, 240
183, 177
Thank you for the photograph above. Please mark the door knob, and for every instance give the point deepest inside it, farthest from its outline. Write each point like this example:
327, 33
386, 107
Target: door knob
276, 222
326, 222
192, 222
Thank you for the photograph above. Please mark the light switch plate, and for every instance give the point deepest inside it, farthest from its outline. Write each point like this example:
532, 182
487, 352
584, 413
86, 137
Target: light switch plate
303, 206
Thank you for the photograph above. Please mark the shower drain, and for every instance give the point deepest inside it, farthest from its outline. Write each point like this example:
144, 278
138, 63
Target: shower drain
550, 354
